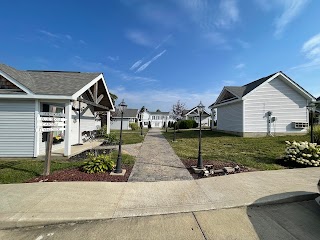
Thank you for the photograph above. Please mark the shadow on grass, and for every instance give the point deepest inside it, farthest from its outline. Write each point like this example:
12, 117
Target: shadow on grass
13, 166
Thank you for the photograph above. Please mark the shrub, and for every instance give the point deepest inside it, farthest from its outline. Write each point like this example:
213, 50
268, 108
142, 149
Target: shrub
111, 139
195, 124
102, 132
96, 164
149, 125
186, 124
134, 126
303, 153
316, 133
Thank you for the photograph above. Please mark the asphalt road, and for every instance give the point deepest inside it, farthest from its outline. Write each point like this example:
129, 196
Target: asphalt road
299, 220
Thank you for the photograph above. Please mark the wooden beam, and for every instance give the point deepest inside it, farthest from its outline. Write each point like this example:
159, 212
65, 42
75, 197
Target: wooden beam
99, 98
93, 104
95, 92
91, 94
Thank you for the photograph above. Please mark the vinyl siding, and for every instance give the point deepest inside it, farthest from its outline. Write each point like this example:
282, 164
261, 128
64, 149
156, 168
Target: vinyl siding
115, 124
285, 103
230, 117
17, 128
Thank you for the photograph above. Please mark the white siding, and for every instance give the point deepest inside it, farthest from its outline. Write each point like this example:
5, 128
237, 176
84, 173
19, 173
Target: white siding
115, 124
230, 117
286, 104
17, 128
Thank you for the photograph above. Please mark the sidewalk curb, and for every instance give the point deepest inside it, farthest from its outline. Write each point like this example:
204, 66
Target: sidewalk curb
10, 225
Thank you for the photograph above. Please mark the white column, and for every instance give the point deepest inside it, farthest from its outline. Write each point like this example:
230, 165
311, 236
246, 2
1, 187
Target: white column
67, 135
108, 122
36, 128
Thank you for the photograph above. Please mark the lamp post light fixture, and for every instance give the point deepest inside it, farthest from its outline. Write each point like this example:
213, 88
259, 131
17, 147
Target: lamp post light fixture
200, 109
312, 108
122, 108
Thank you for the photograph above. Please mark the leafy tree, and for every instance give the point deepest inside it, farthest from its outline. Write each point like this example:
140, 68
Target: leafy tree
113, 97
143, 109
177, 110
158, 110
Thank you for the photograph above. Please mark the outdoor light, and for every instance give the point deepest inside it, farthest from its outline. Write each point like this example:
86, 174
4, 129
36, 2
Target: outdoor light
312, 108
122, 108
200, 108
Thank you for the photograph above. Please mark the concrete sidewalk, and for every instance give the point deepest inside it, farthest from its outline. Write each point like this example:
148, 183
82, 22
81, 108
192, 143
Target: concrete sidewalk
157, 161
46, 203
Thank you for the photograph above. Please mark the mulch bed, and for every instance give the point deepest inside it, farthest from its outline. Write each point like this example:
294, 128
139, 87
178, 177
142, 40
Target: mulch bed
74, 174
216, 165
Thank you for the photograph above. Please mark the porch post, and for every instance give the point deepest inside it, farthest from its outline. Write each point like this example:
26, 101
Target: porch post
108, 122
67, 136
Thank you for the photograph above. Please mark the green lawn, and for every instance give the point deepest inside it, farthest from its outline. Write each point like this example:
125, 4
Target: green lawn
20, 170
129, 136
259, 153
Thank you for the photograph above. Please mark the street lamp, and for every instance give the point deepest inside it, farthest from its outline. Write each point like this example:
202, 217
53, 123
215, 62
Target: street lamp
141, 123
312, 108
200, 109
122, 108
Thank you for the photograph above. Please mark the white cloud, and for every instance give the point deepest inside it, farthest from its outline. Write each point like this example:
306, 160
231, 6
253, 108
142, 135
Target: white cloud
240, 66
311, 51
292, 8
165, 98
114, 59
136, 64
229, 13
144, 66
217, 39
139, 37
243, 44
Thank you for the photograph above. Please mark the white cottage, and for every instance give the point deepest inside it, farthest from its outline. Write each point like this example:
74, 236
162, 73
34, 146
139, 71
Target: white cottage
130, 115
26, 97
194, 115
273, 105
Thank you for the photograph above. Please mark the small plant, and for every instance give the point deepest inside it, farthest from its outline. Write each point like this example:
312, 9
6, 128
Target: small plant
57, 139
97, 164
111, 139
103, 131
303, 153
316, 133
134, 126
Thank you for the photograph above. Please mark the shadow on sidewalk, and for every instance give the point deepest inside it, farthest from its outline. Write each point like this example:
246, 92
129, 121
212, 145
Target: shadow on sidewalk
290, 215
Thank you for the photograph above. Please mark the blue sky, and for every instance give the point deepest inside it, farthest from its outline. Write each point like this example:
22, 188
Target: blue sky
155, 53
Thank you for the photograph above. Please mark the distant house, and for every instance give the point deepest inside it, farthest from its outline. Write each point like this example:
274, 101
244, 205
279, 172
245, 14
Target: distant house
27, 98
193, 115
272, 105
156, 119
129, 116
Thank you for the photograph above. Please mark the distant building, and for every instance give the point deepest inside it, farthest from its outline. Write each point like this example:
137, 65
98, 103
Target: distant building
193, 114
156, 119
129, 116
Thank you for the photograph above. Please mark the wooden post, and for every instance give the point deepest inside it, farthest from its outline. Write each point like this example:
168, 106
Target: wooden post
49, 148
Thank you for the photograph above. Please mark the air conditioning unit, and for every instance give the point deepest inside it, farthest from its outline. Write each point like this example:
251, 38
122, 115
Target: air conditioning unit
300, 124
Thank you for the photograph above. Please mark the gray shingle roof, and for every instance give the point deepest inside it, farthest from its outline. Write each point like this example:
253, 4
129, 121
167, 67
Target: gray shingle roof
128, 113
50, 82
245, 89
159, 113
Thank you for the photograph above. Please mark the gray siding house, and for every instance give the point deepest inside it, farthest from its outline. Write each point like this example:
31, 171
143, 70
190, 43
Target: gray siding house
129, 116
272, 105
27, 96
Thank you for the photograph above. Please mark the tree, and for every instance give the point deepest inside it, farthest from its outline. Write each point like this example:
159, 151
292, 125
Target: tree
113, 97
177, 110
158, 110
143, 109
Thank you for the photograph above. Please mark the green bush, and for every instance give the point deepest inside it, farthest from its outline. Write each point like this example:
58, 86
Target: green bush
149, 125
303, 153
316, 133
195, 124
97, 164
186, 124
134, 126
102, 132
111, 139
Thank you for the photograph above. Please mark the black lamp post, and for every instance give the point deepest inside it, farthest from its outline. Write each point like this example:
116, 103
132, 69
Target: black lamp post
200, 108
312, 108
174, 130
122, 108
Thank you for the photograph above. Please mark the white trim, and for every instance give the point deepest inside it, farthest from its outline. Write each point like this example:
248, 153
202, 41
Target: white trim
67, 135
27, 96
15, 82
108, 122
193, 109
226, 103
244, 116
36, 146
109, 97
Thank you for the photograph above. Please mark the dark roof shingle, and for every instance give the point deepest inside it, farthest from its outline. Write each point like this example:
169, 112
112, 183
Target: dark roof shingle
50, 83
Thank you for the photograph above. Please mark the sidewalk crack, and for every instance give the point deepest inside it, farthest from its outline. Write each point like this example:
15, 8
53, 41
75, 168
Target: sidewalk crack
203, 234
